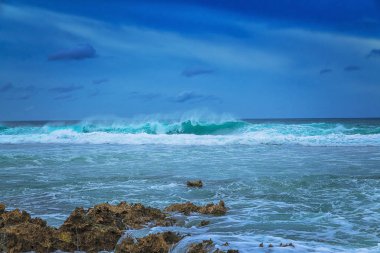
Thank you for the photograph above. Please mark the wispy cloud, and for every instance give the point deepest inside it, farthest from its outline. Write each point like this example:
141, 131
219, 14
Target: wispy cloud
325, 71
63, 97
352, 68
144, 95
80, 52
66, 89
6, 87
196, 72
375, 53
191, 96
100, 81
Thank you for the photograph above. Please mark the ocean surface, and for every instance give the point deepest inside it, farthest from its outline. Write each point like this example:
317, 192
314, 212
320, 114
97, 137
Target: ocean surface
314, 182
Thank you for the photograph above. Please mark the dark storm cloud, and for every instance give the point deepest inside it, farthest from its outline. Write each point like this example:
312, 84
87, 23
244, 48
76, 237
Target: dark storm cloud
325, 71
197, 72
65, 89
375, 53
80, 52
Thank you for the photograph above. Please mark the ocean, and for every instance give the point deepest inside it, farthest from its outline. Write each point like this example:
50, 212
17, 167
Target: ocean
312, 182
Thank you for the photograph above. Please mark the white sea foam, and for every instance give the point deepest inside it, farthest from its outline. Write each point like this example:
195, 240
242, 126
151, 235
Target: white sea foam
249, 138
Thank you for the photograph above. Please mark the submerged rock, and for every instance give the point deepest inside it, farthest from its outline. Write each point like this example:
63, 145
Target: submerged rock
196, 183
187, 208
287, 245
204, 223
154, 243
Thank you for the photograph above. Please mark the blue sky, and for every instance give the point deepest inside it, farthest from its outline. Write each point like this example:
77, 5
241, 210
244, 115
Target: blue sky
252, 59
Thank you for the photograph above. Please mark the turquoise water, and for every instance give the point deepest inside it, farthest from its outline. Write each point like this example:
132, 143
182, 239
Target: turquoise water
315, 183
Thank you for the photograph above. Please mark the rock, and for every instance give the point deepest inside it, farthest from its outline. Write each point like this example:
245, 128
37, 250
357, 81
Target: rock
93, 230
261, 245
20, 233
270, 245
187, 208
196, 183
2, 208
100, 227
287, 245
204, 223
154, 243
219, 209
203, 247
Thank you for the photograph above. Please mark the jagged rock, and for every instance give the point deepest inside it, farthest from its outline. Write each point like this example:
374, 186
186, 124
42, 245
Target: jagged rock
203, 247
100, 227
2, 208
286, 245
20, 233
196, 183
96, 229
187, 208
154, 243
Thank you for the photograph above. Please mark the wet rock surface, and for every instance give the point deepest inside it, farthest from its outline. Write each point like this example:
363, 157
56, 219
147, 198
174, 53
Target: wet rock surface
100, 228
154, 243
188, 208
195, 183
207, 246
96, 229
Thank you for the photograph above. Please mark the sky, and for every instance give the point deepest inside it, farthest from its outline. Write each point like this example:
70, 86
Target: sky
251, 59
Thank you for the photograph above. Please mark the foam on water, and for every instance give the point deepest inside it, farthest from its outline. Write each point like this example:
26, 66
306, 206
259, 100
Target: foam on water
192, 130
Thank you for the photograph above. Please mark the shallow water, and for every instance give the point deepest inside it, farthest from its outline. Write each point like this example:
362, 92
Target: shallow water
321, 198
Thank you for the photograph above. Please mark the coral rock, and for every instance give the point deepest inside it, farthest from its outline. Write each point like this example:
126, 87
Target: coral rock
187, 208
154, 243
196, 183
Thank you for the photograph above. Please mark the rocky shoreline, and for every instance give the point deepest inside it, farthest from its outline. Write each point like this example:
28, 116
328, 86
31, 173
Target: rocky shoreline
99, 228
104, 227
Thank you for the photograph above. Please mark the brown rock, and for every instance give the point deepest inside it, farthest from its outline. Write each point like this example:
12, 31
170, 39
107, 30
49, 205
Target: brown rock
203, 247
100, 227
219, 209
96, 229
196, 183
20, 233
154, 243
2, 208
187, 208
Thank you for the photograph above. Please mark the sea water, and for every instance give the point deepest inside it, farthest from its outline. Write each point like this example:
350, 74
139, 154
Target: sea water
315, 183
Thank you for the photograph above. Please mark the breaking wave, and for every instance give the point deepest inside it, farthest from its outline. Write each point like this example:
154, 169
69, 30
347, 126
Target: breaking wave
192, 131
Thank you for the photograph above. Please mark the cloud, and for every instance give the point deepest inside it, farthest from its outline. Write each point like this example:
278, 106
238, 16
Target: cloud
144, 95
18, 92
191, 96
66, 89
375, 53
63, 97
6, 87
100, 81
325, 71
196, 72
351, 68
80, 52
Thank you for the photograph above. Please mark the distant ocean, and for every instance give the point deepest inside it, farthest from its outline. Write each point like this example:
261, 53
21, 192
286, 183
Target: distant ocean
312, 182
